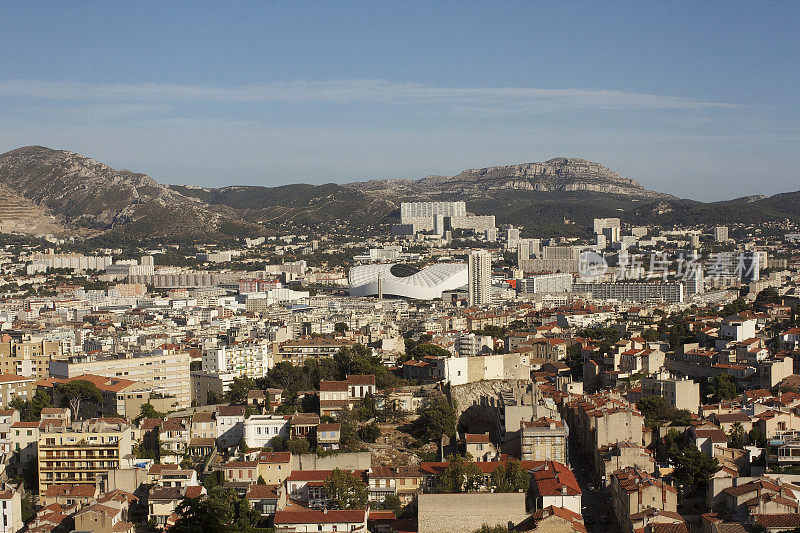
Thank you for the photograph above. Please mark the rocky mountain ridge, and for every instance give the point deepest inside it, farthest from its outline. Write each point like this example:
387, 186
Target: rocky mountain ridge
555, 175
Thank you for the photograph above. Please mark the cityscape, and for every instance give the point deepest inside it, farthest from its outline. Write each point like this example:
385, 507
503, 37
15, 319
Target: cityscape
538, 343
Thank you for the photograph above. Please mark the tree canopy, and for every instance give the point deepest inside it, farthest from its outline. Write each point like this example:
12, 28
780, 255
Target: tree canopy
343, 491
77, 391
223, 511
657, 411
437, 419
510, 477
240, 386
722, 388
460, 475
31, 410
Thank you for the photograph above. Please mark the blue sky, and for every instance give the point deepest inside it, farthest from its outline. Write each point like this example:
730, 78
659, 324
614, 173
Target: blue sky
698, 99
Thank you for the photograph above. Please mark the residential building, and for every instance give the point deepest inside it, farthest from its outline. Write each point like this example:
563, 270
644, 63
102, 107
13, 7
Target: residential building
14, 386
480, 278
81, 452
544, 439
165, 370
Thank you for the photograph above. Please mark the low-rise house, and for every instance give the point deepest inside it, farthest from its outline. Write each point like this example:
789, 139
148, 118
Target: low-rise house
274, 467
553, 519
241, 471
204, 425
304, 425
553, 484
760, 496
328, 521
100, 518
335, 396
230, 425
14, 386
328, 436
68, 494
260, 429
174, 435
708, 439
307, 486
267, 499
622, 455
480, 447
162, 502
24, 437
10, 509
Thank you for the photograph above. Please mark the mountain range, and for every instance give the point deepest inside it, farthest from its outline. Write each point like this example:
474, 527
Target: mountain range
43, 190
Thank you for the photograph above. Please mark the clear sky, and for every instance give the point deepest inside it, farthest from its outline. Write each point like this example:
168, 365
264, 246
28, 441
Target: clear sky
697, 99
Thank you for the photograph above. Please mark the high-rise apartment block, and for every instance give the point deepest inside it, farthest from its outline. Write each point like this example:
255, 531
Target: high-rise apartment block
480, 278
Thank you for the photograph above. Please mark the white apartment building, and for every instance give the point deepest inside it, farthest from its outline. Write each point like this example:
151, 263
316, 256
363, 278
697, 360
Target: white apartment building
480, 278
166, 371
241, 359
260, 429
546, 283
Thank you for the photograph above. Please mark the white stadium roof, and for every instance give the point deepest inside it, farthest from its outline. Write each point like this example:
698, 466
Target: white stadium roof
406, 281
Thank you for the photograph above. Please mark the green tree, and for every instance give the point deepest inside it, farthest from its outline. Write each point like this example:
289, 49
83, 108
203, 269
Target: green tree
694, 470
650, 335
369, 433
74, 393
722, 387
737, 436
392, 503
239, 388
340, 327
298, 445
437, 419
344, 491
31, 410
277, 444
459, 475
28, 506
657, 411
510, 477
148, 411
757, 437
212, 398
223, 511
492, 529
770, 295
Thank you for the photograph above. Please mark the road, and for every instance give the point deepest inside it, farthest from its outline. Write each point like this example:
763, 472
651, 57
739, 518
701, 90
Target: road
596, 503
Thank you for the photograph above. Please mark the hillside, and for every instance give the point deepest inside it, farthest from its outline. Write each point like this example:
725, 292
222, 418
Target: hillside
60, 192
91, 198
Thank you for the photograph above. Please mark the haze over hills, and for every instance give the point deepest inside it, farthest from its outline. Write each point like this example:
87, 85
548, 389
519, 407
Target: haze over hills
56, 191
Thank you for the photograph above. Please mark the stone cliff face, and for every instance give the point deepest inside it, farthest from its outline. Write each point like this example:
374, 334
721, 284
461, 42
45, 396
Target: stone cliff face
556, 175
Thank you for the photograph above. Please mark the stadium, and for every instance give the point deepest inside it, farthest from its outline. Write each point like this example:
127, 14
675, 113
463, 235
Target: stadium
406, 281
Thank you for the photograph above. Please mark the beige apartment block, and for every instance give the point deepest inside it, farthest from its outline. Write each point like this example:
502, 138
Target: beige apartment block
28, 358
14, 386
166, 372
